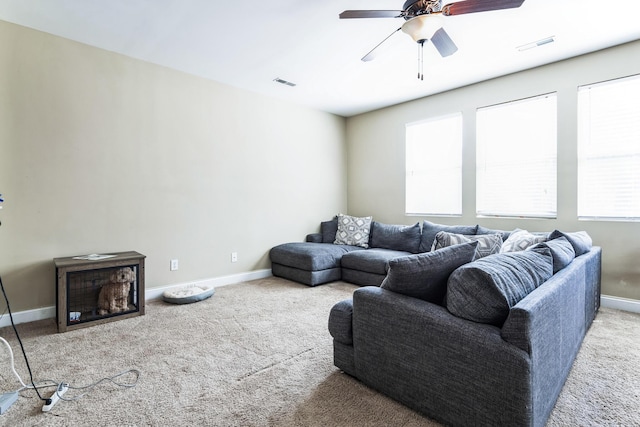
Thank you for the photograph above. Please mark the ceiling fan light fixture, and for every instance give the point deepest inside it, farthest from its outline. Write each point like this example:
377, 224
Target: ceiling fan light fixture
422, 27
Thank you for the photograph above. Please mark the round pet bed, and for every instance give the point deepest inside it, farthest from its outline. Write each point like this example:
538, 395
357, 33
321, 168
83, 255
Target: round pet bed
188, 295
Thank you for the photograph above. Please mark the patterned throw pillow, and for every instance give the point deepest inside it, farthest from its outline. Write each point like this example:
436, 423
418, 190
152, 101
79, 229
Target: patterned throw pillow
353, 230
487, 244
519, 240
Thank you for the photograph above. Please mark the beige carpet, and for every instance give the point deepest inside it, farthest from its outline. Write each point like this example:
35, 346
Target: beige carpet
259, 354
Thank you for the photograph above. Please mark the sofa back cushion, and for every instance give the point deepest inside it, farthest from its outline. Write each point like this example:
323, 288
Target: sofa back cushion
425, 275
430, 229
580, 240
562, 252
485, 290
397, 237
328, 229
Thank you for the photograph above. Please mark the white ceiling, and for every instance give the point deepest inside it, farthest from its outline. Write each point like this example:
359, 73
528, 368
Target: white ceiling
249, 43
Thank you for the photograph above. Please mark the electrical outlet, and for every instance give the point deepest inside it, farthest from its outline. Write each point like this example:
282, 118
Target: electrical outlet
174, 264
234, 256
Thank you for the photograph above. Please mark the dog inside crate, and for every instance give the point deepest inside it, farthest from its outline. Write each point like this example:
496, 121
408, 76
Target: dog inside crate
96, 293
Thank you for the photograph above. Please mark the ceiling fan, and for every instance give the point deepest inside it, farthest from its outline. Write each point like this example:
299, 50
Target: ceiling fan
423, 21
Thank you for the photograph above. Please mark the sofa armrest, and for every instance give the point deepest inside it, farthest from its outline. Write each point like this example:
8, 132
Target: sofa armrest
340, 321
550, 325
314, 238
563, 307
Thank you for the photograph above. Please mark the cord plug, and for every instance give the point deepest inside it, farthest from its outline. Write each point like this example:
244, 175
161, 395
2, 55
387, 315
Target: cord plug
6, 400
55, 397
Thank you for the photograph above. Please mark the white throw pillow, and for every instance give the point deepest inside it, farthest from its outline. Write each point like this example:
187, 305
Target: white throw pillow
488, 244
519, 240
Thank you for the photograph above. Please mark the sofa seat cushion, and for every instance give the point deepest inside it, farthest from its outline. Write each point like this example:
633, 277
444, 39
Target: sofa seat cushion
373, 260
485, 290
397, 237
425, 275
310, 256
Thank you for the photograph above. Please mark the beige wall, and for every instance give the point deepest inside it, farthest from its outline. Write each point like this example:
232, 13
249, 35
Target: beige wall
103, 153
376, 157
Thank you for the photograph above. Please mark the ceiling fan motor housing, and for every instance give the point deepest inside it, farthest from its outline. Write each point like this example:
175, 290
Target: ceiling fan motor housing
413, 8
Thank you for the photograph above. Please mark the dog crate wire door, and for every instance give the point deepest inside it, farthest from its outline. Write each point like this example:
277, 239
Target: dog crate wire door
87, 290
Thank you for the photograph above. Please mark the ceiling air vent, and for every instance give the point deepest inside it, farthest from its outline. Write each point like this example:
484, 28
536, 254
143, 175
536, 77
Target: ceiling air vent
541, 42
284, 82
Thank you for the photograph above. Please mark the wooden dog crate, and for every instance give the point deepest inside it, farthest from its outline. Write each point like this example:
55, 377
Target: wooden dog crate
78, 284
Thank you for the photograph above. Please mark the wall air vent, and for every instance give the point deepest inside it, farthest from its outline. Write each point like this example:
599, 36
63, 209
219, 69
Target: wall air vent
284, 82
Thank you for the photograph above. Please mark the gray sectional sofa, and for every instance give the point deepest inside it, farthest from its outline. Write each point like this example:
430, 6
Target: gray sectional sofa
319, 260
464, 334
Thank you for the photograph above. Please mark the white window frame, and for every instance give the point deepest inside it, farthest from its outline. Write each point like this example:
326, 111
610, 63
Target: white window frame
433, 165
609, 150
516, 158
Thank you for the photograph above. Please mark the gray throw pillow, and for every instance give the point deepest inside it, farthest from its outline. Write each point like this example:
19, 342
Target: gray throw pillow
561, 251
485, 290
425, 275
580, 240
328, 229
397, 237
488, 244
353, 230
430, 229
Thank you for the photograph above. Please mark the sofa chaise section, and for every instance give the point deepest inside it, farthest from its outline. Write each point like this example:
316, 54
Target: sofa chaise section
308, 262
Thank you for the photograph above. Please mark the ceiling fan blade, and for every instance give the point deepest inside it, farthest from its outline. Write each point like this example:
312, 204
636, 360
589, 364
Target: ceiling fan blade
372, 55
443, 43
473, 6
350, 14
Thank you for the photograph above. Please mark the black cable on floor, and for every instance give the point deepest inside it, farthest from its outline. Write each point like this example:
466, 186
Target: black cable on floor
20, 341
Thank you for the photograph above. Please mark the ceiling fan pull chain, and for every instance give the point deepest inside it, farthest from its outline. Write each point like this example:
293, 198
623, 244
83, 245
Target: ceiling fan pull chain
421, 60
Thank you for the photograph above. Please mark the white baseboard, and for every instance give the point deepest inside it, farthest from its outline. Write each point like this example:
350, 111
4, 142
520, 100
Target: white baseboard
618, 303
28, 316
150, 294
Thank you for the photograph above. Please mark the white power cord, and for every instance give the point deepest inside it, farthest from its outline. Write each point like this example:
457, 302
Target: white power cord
7, 399
61, 388
13, 368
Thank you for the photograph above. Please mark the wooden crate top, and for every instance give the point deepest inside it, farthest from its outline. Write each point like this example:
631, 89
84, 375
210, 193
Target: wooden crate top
119, 256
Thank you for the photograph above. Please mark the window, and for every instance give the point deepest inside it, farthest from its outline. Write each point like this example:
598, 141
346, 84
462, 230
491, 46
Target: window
434, 166
516, 158
609, 150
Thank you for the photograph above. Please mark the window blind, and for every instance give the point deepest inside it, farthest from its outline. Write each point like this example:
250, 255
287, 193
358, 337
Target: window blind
433, 153
609, 150
516, 158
